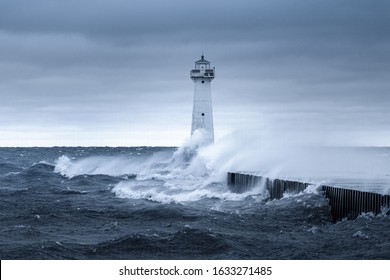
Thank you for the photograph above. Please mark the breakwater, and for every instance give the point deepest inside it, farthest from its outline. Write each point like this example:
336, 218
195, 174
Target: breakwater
348, 203
241, 182
344, 203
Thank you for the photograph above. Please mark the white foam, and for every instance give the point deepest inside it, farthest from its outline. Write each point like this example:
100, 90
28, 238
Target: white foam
359, 233
173, 191
113, 166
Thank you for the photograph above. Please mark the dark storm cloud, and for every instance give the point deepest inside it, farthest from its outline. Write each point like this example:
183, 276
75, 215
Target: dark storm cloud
355, 30
124, 17
75, 63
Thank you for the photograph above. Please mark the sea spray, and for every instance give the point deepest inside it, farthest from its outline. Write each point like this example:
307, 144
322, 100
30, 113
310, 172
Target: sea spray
194, 170
111, 165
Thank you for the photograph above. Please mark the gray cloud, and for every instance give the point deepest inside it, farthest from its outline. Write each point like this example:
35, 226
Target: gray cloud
88, 65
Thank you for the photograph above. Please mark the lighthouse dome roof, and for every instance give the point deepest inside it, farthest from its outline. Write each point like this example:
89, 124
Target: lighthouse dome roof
202, 61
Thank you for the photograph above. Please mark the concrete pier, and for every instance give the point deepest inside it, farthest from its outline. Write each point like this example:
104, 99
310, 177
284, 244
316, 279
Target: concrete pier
344, 203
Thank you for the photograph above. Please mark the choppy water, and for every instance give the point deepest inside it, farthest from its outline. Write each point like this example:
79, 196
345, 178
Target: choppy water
138, 203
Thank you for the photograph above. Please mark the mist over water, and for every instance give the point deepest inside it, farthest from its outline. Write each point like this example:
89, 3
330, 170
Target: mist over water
180, 176
195, 170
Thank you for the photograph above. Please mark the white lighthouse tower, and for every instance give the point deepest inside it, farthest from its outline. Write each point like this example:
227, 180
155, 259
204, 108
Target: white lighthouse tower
202, 112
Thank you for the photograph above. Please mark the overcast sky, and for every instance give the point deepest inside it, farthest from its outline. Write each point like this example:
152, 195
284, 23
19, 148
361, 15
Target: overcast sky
116, 72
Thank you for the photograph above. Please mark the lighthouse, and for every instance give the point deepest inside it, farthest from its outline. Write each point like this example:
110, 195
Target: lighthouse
202, 111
